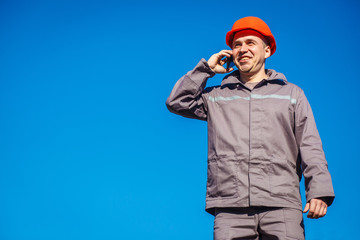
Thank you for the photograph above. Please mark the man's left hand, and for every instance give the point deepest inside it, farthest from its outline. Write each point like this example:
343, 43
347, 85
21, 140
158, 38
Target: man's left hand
317, 208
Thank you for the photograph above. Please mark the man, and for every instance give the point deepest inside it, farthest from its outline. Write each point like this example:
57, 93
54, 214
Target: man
262, 138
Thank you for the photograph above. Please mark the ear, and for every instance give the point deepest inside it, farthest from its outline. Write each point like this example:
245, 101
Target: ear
267, 51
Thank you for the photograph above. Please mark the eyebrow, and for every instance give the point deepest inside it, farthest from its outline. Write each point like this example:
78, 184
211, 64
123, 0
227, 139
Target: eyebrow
246, 39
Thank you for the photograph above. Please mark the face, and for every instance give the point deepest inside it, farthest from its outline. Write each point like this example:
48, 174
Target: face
250, 52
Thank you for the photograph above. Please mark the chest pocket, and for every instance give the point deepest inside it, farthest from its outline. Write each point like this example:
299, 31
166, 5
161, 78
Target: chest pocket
277, 108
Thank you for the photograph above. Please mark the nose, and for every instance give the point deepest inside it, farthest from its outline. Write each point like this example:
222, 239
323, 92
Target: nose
244, 48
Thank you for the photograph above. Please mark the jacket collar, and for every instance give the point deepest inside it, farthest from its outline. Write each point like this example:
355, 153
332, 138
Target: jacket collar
234, 77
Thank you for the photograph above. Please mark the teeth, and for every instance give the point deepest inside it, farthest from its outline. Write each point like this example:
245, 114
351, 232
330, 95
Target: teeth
244, 58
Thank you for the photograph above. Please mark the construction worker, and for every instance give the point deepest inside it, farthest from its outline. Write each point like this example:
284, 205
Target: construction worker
262, 138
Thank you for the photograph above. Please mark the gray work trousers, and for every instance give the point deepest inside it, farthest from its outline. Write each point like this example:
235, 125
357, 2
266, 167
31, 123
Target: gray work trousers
265, 223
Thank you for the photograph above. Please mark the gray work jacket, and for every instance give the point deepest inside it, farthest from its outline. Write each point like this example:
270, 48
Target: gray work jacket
260, 141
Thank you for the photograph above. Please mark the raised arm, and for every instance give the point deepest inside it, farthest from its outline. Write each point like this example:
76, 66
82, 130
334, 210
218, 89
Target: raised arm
188, 97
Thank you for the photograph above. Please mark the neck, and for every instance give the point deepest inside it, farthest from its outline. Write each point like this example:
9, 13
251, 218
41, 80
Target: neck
253, 77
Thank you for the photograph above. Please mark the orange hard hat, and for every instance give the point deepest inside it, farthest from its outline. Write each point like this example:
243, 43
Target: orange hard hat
253, 23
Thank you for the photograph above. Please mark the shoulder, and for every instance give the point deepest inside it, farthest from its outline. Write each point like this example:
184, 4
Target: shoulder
294, 87
279, 78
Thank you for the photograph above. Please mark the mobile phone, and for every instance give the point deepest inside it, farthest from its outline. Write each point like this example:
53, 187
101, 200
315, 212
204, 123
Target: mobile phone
229, 63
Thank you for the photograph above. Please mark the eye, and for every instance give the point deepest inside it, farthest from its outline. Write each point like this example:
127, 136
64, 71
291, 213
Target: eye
236, 45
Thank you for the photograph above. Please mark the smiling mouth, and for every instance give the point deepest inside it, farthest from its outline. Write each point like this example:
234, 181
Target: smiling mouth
244, 59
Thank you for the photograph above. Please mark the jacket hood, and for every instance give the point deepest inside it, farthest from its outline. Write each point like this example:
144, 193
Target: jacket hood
234, 77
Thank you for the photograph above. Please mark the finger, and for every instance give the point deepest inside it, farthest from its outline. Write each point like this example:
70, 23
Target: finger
322, 211
325, 210
311, 209
225, 53
317, 210
226, 57
222, 62
306, 207
226, 60
229, 70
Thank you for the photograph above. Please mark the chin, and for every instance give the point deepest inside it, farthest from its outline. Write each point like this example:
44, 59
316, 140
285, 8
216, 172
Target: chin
246, 70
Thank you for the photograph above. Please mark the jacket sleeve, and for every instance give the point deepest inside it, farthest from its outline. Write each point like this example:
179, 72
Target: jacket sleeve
186, 98
318, 182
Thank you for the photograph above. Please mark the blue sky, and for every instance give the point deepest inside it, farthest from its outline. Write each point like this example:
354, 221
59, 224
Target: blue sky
88, 149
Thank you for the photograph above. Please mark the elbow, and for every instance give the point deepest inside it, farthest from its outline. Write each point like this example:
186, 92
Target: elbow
175, 106
170, 105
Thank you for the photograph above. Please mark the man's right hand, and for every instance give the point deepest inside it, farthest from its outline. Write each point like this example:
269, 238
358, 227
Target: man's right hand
216, 63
